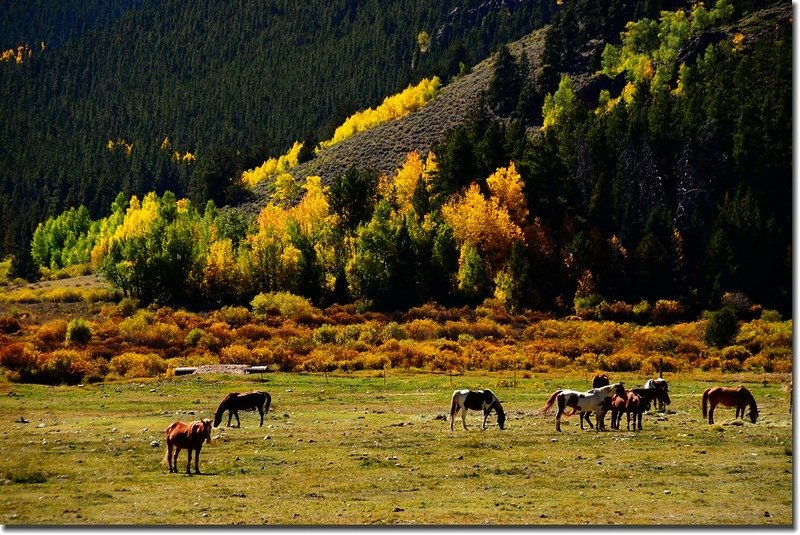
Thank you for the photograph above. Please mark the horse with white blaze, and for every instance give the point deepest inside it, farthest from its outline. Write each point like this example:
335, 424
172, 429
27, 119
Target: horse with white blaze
476, 400
595, 400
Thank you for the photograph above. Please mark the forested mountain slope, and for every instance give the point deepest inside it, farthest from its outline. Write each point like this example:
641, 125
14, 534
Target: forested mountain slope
227, 82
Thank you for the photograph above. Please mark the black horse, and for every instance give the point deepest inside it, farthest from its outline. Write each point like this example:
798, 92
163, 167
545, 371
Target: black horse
235, 402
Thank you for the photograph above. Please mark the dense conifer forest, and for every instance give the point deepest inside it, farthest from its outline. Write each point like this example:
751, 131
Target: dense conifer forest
642, 155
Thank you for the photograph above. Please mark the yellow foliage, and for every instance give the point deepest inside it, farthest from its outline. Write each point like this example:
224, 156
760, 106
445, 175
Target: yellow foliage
221, 269
738, 42
506, 186
19, 54
406, 180
286, 188
393, 107
138, 218
483, 222
119, 144
273, 166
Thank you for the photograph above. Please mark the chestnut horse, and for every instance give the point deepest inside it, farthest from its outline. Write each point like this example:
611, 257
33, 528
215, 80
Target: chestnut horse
595, 400
235, 402
729, 397
190, 437
476, 400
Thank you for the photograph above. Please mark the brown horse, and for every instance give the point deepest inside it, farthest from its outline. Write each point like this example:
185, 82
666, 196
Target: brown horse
235, 402
190, 437
729, 397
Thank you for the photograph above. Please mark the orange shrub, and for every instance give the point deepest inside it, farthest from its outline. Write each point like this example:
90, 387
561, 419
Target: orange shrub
411, 355
710, 363
186, 320
738, 353
651, 364
221, 332
319, 360
143, 329
252, 331
546, 361
757, 363
52, 333
622, 361
67, 366
233, 315
21, 359
236, 354
423, 329
9, 324
619, 311
130, 365
666, 312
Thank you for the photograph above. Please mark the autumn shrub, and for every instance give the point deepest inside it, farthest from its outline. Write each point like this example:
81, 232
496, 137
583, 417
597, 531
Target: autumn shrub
782, 366
666, 312
219, 334
186, 320
411, 354
236, 354
759, 334
348, 334
283, 304
422, 329
67, 366
493, 309
193, 337
587, 307
235, 316
319, 360
132, 364
127, 306
252, 331
757, 363
735, 352
730, 365
78, 332
447, 361
552, 329
376, 361
641, 311
546, 361
325, 334
393, 331
654, 364
143, 329
431, 311
769, 315
710, 363
194, 358
658, 339
370, 333
505, 359
689, 349
622, 361
20, 358
9, 324
619, 311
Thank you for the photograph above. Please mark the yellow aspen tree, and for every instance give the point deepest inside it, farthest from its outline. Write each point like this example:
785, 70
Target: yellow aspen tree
506, 186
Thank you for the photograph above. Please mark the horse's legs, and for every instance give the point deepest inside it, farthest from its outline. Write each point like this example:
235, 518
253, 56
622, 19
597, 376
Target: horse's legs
189, 460
640, 419
175, 458
711, 412
558, 419
261, 413
238, 423
464, 417
230, 415
196, 461
485, 416
169, 456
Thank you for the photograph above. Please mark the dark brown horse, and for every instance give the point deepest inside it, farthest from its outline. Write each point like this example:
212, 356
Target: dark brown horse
235, 402
600, 380
190, 437
729, 397
639, 401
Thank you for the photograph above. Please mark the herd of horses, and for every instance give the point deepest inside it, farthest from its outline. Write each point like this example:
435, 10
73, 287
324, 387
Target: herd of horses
602, 398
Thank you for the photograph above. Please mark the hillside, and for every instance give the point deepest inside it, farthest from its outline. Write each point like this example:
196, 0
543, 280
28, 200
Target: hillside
386, 146
227, 83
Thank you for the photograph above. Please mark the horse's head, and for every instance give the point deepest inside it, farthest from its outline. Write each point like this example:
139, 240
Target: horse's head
753, 414
619, 389
217, 418
207, 429
501, 414
662, 395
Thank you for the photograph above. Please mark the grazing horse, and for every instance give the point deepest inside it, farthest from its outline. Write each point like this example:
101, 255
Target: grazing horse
190, 437
729, 397
235, 402
476, 400
658, 382
638, 401
595, 400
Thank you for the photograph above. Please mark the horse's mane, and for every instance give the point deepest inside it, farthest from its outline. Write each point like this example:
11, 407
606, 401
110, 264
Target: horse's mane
750, 399
224, 403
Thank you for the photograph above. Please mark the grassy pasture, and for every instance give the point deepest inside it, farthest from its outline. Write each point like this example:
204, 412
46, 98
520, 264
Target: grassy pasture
364, 449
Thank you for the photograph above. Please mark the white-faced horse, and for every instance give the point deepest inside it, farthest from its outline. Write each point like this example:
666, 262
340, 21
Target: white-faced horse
595, 400
476, 400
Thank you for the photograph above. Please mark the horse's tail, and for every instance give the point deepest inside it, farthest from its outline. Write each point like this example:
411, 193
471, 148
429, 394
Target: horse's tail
550, 402
705, 402
454, 405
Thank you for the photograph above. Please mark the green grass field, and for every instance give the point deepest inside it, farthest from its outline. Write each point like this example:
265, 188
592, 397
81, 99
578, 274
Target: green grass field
364, 449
